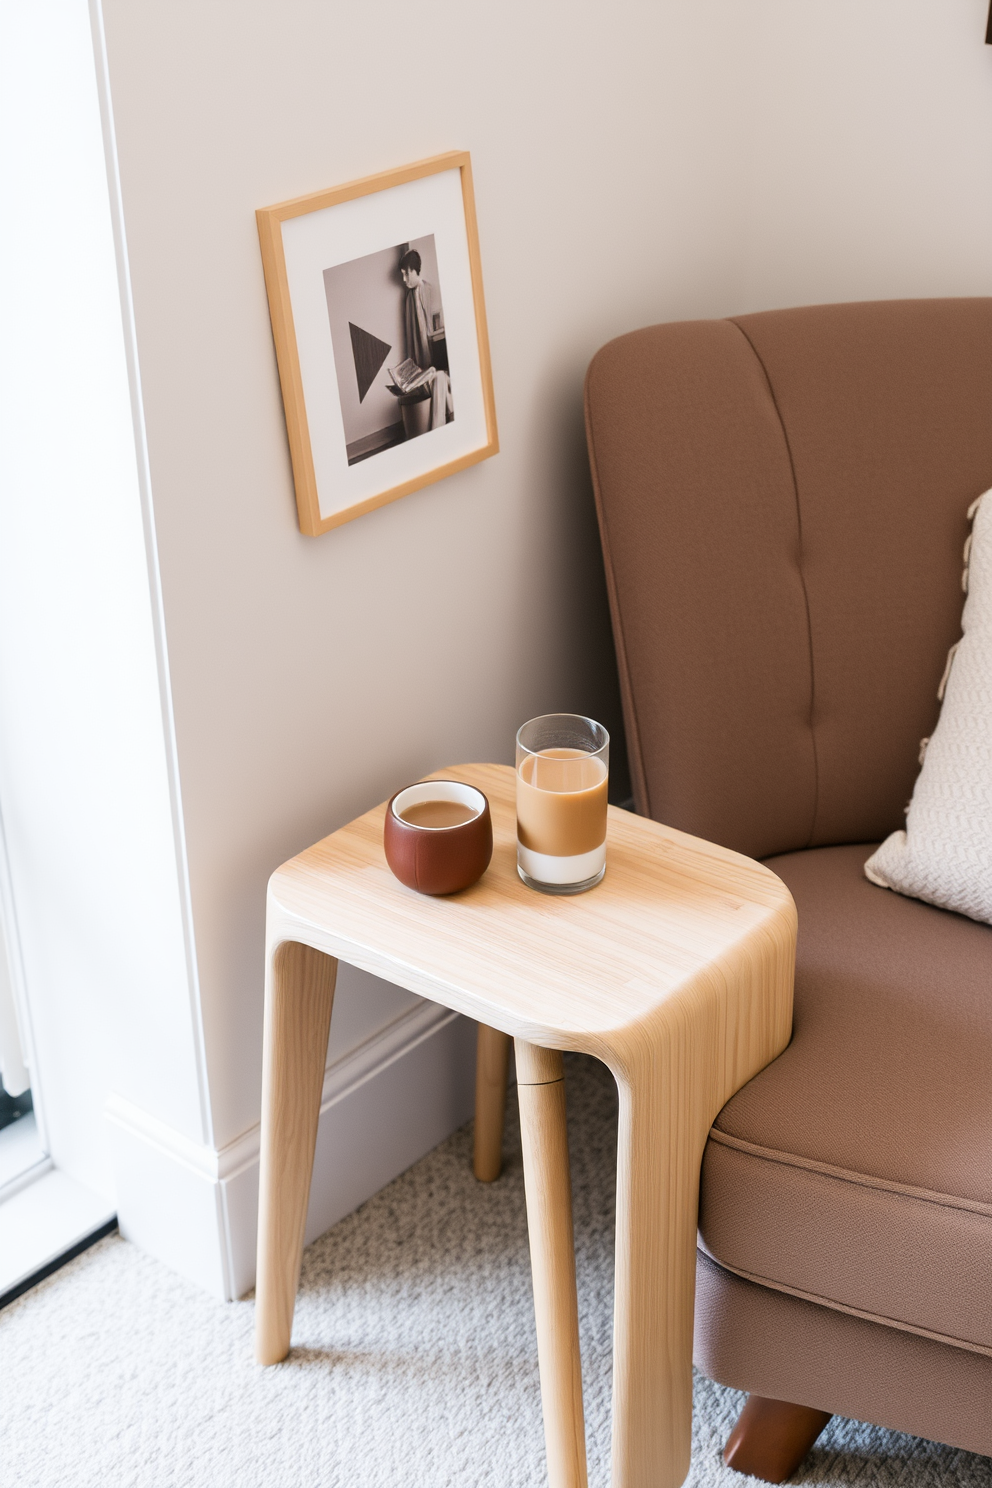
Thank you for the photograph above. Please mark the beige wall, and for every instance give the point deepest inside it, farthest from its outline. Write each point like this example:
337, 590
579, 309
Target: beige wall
633, 163
312, 676
662, 158
865, 139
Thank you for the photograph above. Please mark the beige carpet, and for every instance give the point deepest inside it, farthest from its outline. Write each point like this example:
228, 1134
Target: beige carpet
414, 1363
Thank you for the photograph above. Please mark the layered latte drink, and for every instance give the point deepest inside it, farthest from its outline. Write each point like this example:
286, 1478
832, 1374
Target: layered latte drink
562, 777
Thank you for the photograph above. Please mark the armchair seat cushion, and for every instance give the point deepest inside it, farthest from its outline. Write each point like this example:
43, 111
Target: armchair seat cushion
856, 1170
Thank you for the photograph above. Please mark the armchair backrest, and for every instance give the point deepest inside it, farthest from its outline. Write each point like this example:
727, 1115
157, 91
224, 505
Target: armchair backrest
782, 502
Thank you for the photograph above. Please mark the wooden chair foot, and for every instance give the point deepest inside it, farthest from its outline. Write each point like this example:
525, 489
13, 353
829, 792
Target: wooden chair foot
492, 1068
772, 1437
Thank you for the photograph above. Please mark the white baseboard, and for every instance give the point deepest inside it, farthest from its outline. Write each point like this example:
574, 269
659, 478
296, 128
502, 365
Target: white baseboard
383, 1106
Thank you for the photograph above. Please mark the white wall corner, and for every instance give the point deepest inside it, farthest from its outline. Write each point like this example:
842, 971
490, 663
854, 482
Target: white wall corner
384, 1105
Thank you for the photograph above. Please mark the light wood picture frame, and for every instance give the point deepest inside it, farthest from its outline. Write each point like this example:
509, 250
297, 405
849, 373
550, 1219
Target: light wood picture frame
379, 323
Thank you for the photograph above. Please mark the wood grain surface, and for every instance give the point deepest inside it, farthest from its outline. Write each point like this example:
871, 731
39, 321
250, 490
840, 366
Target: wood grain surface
298, 999
676, 971
547, 1182
492, 1066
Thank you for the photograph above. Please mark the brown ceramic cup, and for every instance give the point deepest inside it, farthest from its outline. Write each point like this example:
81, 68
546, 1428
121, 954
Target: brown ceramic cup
438, 860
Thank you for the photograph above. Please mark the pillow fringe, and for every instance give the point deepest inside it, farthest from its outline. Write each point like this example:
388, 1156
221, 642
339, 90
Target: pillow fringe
944, 679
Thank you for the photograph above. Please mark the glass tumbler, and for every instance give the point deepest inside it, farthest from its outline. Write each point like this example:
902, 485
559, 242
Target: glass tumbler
563, 764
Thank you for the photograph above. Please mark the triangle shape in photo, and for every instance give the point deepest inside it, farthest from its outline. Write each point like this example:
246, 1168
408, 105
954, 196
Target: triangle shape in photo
369, 353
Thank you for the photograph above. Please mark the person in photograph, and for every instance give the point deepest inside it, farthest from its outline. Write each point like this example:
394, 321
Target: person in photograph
422, 309
422, 317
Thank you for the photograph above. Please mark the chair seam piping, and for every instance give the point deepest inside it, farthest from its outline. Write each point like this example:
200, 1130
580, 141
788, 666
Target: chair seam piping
802, 578
848, 1175
631, 718
880, 1319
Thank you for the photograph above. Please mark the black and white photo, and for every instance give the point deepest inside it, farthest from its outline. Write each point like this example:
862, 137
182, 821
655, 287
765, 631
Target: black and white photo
390, 349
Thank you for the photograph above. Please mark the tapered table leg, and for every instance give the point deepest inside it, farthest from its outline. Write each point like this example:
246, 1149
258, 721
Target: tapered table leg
541, 1092
659, 1151
492, 1068
299, 993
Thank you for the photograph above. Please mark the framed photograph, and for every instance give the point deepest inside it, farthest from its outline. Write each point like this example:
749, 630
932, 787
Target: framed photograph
379, 322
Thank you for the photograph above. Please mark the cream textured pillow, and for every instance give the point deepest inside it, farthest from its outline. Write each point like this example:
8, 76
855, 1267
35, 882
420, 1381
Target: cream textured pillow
945, 854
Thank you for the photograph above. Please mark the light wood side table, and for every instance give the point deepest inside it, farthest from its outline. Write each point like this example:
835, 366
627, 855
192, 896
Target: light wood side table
676, 971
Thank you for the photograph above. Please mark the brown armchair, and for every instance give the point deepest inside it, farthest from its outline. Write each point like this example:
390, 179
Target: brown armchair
782, 503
